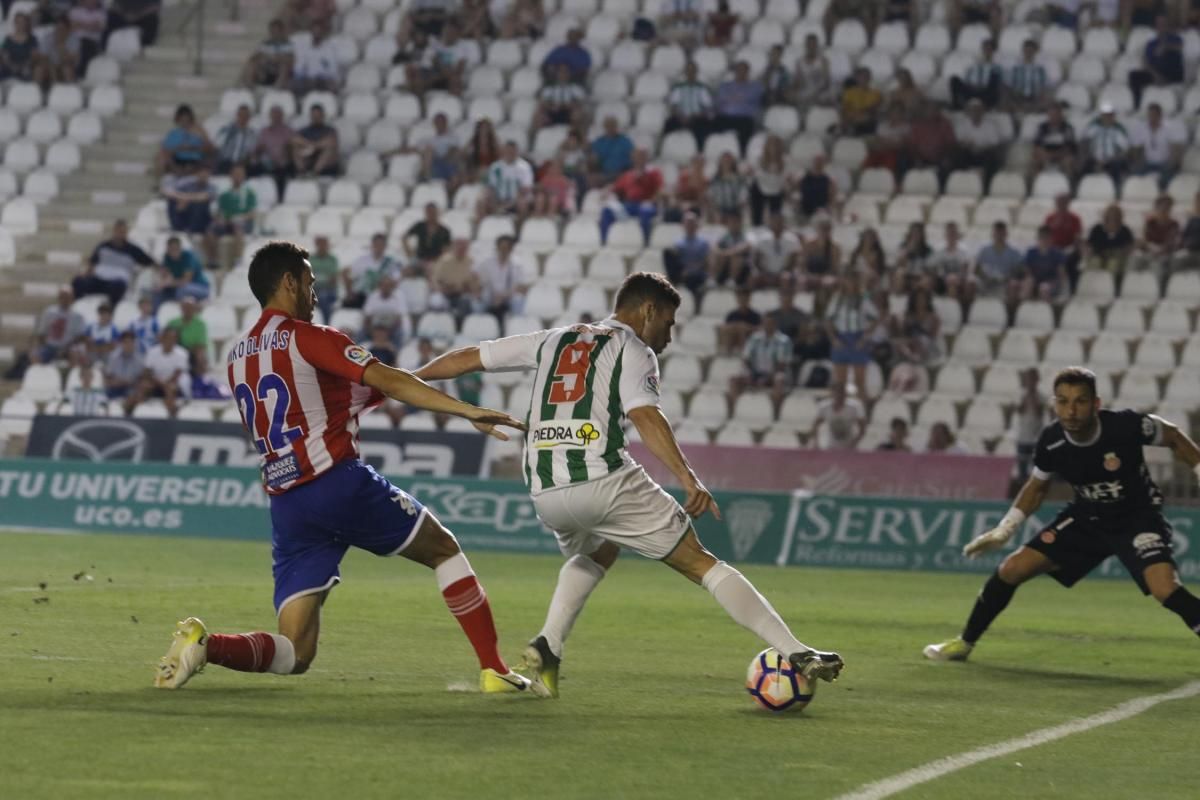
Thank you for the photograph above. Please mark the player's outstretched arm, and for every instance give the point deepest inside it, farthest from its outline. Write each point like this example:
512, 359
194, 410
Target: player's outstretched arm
452, 364
656, 433
1029, 500
405, 387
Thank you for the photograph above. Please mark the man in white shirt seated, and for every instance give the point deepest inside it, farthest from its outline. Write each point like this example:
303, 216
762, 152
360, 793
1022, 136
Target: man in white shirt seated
842, 418
504, 280
166, 374
776, 253
316, 66
980, 141
1158, 145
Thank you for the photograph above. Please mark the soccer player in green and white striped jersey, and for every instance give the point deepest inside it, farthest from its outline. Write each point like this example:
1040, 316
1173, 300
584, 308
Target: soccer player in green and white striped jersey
588, 379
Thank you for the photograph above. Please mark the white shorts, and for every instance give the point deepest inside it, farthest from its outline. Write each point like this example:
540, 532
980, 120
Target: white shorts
626, 508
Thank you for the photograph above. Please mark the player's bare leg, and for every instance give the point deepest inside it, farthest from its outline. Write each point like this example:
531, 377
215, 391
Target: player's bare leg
747, 607
436, 548
1023, 565
1163, 582
576, 580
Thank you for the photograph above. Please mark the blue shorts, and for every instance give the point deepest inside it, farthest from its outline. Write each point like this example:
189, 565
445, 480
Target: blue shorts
856, 352
314, 524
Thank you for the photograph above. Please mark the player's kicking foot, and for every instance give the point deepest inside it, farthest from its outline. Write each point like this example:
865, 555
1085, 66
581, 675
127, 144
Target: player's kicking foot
187, 655
954, 650
542, 664
817, 664
493, 682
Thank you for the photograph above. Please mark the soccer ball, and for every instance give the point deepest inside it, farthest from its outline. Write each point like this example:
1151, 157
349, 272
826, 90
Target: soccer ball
774, 684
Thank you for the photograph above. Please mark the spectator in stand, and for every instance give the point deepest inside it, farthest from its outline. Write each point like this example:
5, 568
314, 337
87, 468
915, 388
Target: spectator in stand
300, 15
776, 255
913, 261
181, 275
59, 326
932, 136
236, 210
237, 143
998, 268
733, 257
1054, 143
769, 180
1045, 270
611, 154
813, 349
572, 54
850, 320
942, 440
453, 284
509, 185
843, 417
1029, 417
690, 195
145, 326
637, 193
1188, 256
822, 258
767, 364
503, 280
981, 143
861, 105
555, 192
691, 105
63, 52
525, 19
905, 95
811, 79
727, 189
1028, 87
274, 150
388, 307
123, 368
363, 274
382, 347
1110, 243
271, 64
738, 104
869, 260
442, 66
86, 399
1066, 233
315, 146
718, 28
189, 198
102, 334
952, 268
739, 324
818, 191
410, 48
1159, 241
204, 384
982, 80
442, 155
561, 101
1162, 60
790, 319
190, 329
681, 23
975, 12
316, 67
897, 441
572, 156
686, 263
1107, 146
483, 150
186, 146
111, 267
325, 276
918, 347
140, 14
888, 148
165, 375
776, 78
432, 239
88, 20
1158, 145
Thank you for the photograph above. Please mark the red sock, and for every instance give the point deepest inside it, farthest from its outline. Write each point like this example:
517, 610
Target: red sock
245, 652
469, 605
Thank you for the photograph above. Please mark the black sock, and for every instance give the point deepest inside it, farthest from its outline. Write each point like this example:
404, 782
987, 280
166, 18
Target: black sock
1187, 606
993, 599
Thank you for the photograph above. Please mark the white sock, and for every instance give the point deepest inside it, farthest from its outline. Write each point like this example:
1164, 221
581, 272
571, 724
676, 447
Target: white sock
452, 570
284, 660
748, 608
576, 580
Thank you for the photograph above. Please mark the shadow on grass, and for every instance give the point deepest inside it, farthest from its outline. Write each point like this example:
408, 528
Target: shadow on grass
1071, 677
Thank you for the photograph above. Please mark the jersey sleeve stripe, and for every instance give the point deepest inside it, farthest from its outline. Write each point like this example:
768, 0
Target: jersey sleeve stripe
583, 410
616, 437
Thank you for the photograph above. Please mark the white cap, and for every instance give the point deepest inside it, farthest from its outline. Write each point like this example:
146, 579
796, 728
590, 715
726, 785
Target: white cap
1106, 108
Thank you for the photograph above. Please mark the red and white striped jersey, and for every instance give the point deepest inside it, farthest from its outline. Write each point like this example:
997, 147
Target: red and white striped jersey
299, 389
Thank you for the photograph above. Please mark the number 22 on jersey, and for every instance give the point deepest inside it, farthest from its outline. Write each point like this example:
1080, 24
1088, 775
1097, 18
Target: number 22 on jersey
570, 373
275, 397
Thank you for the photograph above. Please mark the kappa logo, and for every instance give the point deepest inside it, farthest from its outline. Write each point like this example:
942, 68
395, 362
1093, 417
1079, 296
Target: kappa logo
1111, 462
1144, 542
101, 440
357, 354
747, 521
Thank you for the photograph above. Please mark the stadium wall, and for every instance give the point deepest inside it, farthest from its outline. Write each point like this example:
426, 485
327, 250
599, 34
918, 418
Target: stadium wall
785, 528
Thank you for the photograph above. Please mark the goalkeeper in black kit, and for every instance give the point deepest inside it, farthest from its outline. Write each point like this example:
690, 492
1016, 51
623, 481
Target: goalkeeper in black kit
1117, 510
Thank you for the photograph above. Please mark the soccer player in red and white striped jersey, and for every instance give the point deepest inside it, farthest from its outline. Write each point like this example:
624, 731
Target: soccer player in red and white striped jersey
300, 389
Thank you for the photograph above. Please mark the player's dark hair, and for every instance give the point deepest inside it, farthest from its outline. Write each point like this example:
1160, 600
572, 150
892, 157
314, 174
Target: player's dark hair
646, 287
1076, 376
270, 263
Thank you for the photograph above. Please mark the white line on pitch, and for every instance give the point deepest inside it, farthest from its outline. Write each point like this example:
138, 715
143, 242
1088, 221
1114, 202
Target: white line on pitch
944, 766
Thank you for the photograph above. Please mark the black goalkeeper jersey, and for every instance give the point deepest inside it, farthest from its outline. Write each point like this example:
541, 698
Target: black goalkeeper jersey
1108, 473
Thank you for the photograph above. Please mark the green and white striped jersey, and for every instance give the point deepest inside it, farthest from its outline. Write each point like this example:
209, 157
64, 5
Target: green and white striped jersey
586, 379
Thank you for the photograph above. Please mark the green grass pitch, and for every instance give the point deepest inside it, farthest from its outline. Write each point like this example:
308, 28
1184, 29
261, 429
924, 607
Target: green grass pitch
652, 705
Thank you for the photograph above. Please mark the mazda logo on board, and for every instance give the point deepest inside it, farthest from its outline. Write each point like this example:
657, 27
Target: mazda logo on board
101, 440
